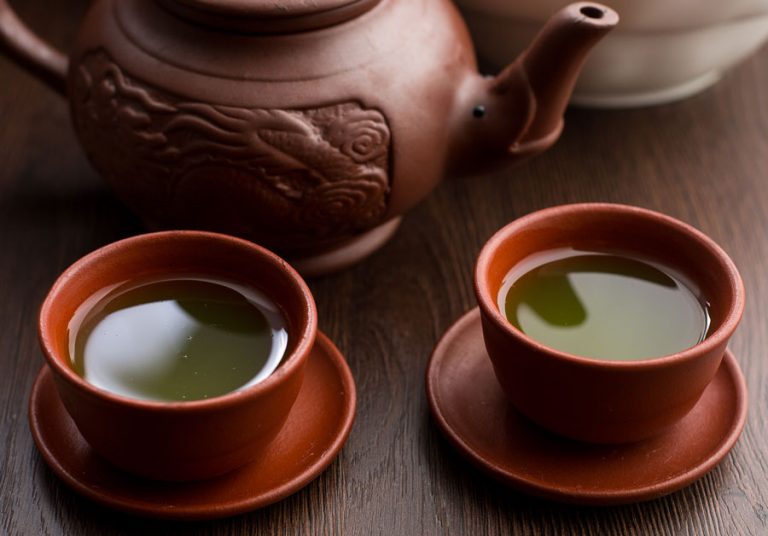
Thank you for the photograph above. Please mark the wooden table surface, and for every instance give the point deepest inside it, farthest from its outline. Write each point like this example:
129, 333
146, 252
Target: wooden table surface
704, 160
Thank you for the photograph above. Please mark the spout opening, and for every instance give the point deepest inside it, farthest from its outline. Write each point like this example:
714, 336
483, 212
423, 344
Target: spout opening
592, 12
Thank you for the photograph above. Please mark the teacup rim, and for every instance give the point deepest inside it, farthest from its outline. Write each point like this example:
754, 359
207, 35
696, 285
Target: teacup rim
289, 363
721, 335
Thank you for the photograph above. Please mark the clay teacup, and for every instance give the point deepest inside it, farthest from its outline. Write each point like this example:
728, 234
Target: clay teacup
604, 401
180, 440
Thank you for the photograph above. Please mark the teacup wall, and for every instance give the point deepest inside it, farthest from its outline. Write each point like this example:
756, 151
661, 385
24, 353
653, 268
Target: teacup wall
599, 400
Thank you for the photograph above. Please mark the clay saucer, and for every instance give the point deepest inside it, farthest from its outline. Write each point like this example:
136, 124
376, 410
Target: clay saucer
315, 431
470, 408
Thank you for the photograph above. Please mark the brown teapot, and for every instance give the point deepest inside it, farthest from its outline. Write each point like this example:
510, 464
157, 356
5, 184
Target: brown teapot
307, 127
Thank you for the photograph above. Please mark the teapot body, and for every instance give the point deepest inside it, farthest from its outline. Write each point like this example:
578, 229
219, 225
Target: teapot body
307, 127
299, 141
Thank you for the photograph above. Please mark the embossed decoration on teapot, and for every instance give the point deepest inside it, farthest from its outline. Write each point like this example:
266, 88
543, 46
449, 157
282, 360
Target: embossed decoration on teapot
306, 129
314, 173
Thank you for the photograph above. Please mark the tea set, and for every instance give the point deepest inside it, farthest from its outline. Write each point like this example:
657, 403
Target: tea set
308, 129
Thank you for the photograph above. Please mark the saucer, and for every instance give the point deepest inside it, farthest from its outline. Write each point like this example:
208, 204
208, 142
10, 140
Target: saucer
473, 413
316, 429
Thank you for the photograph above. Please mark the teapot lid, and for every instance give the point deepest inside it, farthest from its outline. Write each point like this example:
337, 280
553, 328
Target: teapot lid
269, 16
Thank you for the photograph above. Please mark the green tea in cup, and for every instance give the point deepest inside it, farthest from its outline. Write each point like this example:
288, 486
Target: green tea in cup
603, 305
176, 339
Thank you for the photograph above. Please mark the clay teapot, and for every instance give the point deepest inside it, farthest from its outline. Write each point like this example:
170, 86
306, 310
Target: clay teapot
307, 127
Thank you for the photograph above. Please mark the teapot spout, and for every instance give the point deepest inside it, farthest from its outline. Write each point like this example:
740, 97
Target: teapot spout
519, 113
550, 67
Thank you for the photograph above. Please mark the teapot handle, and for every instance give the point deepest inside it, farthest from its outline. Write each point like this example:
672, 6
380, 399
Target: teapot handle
19, 43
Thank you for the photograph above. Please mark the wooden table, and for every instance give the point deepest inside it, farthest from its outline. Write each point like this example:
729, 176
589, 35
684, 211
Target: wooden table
704, 161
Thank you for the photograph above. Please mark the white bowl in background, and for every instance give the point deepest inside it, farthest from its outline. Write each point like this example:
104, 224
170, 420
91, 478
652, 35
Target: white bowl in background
662, 50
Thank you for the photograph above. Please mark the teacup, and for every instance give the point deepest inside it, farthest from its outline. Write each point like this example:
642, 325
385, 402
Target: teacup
180, 440
604, 401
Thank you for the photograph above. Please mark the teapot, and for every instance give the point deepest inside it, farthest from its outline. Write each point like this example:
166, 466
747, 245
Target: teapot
306, 127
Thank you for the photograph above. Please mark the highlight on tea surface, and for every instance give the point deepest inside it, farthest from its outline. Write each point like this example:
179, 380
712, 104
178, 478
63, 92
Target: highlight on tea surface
181, 339
603, 305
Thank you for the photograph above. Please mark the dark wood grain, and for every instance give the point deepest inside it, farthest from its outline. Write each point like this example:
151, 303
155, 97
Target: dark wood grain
704, 161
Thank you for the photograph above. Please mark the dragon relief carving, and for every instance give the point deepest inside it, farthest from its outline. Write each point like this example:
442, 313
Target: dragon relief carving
282, 177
